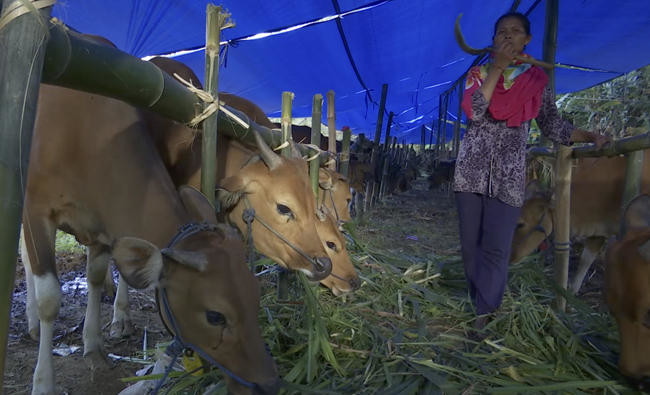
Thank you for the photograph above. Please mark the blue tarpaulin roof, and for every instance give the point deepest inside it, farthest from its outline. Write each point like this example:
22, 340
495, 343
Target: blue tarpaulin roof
407, 44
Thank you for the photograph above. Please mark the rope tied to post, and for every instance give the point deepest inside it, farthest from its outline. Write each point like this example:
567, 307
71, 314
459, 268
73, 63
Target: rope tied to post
22, 7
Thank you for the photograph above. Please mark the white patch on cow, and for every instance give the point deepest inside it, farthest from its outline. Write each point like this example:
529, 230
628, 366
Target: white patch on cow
31, 308
121, 325
48, 299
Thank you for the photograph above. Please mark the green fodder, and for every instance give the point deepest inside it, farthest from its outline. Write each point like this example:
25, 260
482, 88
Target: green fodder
406, 331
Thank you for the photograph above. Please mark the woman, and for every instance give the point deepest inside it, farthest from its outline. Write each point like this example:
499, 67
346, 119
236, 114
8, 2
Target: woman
500, 100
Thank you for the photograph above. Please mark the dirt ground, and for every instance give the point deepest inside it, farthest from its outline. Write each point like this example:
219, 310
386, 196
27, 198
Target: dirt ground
409, 214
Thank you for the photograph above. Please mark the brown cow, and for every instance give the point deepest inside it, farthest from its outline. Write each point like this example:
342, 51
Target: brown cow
344, 277
334, 194
596, 190
95, 174
627, 288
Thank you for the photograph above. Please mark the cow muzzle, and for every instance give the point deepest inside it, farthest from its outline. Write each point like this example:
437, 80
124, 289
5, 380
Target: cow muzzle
321, 267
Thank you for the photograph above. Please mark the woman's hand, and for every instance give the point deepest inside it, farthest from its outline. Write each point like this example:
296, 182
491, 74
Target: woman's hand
584, 136
504, 55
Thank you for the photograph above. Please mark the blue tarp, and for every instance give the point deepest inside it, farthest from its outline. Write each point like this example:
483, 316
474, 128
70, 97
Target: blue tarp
407, 44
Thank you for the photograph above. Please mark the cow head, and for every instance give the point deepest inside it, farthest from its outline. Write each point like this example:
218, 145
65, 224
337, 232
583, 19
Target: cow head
344, 277
335, 193
279, 190
212, 294
627, 288
534, 225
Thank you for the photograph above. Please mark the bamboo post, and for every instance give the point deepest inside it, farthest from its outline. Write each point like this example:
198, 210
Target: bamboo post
331, 126
316, 115
287, 100
344, 165
215, 22
370, 188
384, 176
461, 87
633, 178
22, 45
387, 134
422, 137
562, 220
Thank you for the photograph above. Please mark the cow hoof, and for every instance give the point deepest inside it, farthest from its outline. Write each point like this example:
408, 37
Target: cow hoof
122, 328
97, 361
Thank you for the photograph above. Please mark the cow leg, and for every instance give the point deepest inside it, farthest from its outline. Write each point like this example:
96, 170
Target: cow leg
31, 309
109, 285
39, 241
121, 325
98, 260
592, 246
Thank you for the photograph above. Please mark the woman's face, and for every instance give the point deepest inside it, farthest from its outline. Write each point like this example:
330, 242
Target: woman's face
511, 30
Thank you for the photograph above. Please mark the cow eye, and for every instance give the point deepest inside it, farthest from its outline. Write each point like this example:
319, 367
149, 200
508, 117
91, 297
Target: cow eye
646, 320
520, 225
331, 245
215, 318
284, 210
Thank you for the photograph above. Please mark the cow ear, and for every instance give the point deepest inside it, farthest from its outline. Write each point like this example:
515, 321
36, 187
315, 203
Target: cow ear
196, 260
324, 179
197, 205
139, 262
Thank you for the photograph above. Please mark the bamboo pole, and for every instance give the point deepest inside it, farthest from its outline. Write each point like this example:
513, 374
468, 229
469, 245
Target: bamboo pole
562, 221
633, 179
215, 21
422, 138
461, 87
287, 101
618, 147
370, 188
22, 45
344, 162
316, 116
331, 126
387, 134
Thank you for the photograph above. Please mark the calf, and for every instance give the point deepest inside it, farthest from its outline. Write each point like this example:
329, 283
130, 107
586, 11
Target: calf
334, 194
596, 190
95, 174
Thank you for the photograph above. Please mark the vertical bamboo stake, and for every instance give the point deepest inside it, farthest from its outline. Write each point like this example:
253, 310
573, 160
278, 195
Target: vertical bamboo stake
387, 134
370, 188
422, 138
344, 167
562, 220
215, 22
287, 99
316, 116
633, 174
22, 44
331, 126
461, 87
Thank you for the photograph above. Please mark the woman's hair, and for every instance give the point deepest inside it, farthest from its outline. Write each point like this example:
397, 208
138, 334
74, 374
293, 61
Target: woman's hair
522, 18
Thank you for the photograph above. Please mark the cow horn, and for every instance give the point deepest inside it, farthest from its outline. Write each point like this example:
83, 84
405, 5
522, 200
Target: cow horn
461, 40
475, 51
270, 158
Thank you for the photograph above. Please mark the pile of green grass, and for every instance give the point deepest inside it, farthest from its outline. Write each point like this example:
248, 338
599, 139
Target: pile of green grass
406, 331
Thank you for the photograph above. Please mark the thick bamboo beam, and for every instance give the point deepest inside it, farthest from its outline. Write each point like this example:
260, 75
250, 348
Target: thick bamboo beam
370, 187
461, 90
387, 134
618, 147
549, 46
74, 62
562, 221
285, 123
331, 126
22, 45
316, 116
